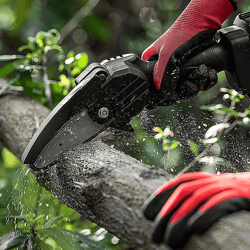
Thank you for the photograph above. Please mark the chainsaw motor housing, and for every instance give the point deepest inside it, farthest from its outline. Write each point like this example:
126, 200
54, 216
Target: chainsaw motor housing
123, 90
236, 40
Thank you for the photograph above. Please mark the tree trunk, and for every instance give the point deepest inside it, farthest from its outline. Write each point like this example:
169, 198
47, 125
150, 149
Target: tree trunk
106, 185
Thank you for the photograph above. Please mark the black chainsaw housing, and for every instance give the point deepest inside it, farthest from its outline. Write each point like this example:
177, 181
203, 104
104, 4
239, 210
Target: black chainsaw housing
119, 87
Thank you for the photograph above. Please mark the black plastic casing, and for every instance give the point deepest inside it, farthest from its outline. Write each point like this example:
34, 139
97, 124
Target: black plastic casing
123, 90
236, 40
231, 54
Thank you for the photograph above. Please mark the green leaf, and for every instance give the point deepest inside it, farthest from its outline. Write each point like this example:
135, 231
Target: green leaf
39, 220
165, 147
42, 244
9, 84
75, 71
212, 107
6, 70
40, 42
53, 47
24, 47
174, 145
19, 217
210, 141
71, 54
53, 220
34, 90
11, 57
57, 92
82, 60
64, 80
227, 110
55, 33
193, 147
170, 147
12, 239
220, 109
93, 245
61, 67
65, 238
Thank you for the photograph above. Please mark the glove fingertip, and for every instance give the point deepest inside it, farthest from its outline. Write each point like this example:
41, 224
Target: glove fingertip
197, 224
202, 220
147, 209
159, 228
176, 236
155, 203
149, 52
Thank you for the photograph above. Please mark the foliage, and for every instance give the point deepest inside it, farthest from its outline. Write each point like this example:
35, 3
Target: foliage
43, 222
194, 148
230, 95
32, 70
168, 143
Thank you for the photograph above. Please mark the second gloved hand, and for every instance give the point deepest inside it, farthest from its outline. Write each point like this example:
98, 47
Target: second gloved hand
191, 203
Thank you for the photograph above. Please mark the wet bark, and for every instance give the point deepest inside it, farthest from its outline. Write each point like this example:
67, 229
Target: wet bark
107, 186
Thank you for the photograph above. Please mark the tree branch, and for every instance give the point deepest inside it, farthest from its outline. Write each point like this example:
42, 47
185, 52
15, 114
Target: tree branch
106, 185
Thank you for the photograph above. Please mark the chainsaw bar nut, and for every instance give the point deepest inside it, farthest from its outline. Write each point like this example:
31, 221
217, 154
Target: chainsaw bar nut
103, 112
102, 78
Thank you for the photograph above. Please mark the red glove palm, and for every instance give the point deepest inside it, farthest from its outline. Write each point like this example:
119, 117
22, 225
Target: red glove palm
193, 202
191, 33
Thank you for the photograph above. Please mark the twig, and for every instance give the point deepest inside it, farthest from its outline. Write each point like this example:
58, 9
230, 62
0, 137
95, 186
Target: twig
236, 122
210, 146
166, 160
47, 87
77, 18
8, 85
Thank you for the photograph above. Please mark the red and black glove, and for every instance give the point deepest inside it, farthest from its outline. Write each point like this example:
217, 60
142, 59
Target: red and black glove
191, 203
191, 33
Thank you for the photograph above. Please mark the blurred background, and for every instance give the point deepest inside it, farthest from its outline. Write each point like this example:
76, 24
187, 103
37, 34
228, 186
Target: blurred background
101, 29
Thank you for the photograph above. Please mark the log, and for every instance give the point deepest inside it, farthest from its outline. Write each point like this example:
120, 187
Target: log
98, 180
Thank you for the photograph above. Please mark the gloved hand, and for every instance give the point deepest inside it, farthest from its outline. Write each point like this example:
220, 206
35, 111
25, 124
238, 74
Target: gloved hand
191, 33
192, 202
